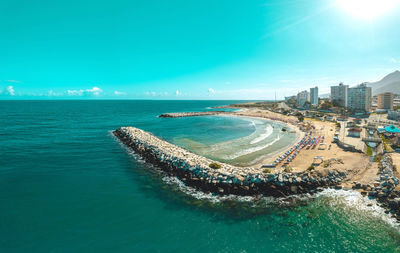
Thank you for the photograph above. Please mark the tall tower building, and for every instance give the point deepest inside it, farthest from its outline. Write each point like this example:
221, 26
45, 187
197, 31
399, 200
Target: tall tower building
314, 96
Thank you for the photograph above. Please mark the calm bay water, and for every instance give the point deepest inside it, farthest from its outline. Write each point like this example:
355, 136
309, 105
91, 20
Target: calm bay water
66, 185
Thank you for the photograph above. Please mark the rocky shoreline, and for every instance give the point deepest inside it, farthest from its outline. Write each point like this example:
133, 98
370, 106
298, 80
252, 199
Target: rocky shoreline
191, 114
219, 178
383, 190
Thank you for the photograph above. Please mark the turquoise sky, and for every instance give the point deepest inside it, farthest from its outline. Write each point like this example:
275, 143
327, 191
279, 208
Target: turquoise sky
170, 49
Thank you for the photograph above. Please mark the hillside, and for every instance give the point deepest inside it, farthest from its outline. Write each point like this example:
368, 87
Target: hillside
390, 83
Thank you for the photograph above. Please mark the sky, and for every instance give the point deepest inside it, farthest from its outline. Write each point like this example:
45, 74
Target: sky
193, 49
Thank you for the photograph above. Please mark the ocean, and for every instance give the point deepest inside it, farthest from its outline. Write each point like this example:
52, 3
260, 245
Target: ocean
67, 185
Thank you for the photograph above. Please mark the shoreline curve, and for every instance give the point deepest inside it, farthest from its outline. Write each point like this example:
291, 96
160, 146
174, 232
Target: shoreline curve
195, 171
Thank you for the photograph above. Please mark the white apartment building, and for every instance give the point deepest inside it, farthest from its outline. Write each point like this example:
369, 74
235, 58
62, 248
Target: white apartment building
302, 98
314, 96
360, 98
339, 95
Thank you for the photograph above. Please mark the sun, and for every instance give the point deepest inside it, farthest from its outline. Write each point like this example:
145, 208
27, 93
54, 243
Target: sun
367, 9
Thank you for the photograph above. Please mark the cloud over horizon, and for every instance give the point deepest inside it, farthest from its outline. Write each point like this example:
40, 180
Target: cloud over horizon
10, 90
119, 93
93, 91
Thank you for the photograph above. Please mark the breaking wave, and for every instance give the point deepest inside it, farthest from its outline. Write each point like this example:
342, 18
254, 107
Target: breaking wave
268, 131
252, 149
349, 200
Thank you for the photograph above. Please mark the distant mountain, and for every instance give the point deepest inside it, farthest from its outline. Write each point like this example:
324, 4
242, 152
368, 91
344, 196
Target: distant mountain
390, 83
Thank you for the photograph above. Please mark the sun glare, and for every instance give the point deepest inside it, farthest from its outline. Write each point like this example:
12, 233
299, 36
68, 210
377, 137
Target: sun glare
368, 9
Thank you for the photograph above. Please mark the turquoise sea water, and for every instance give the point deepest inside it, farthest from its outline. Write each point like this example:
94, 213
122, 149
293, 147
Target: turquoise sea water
66, 185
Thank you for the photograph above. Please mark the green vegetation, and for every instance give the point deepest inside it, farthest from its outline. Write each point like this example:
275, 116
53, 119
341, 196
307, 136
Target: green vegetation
307, 105
300, 117
378, 158
386, 144
288, 169
327, 163
369, 151
267, 170
292, 103
311, 168
260, 105
215, 166
326, 105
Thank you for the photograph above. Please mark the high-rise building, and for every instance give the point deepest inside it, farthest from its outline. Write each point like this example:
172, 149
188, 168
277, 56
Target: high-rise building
302, 98
314, 96
339, 95
385, 101
360, 98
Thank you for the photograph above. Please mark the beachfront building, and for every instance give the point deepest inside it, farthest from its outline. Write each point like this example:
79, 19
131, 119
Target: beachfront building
339, 95
354, 132
314, 96
394, 115
302, 98
385, 101
359, 98
396, 100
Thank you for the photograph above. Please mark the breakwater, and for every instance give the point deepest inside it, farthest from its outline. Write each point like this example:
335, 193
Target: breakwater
220, 178
191, 114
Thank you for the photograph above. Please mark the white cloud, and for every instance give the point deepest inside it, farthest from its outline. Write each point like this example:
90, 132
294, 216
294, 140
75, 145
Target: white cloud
75, 92
211, 91
156, 94
228, 82
13, 81
177, 92
10, 90
51, 93
394, 60
93, 91
119, 93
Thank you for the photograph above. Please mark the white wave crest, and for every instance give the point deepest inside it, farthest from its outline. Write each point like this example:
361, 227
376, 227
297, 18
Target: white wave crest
268, 131
251, 150
354, 199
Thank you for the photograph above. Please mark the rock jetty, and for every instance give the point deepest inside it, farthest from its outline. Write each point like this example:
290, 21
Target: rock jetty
383, 190
211, 176
191, 114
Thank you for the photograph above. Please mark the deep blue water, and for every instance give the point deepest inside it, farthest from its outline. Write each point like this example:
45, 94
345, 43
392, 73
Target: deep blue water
66, 185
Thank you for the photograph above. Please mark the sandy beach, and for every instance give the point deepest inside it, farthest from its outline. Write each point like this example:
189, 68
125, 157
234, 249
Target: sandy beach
333, 156
324, 156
